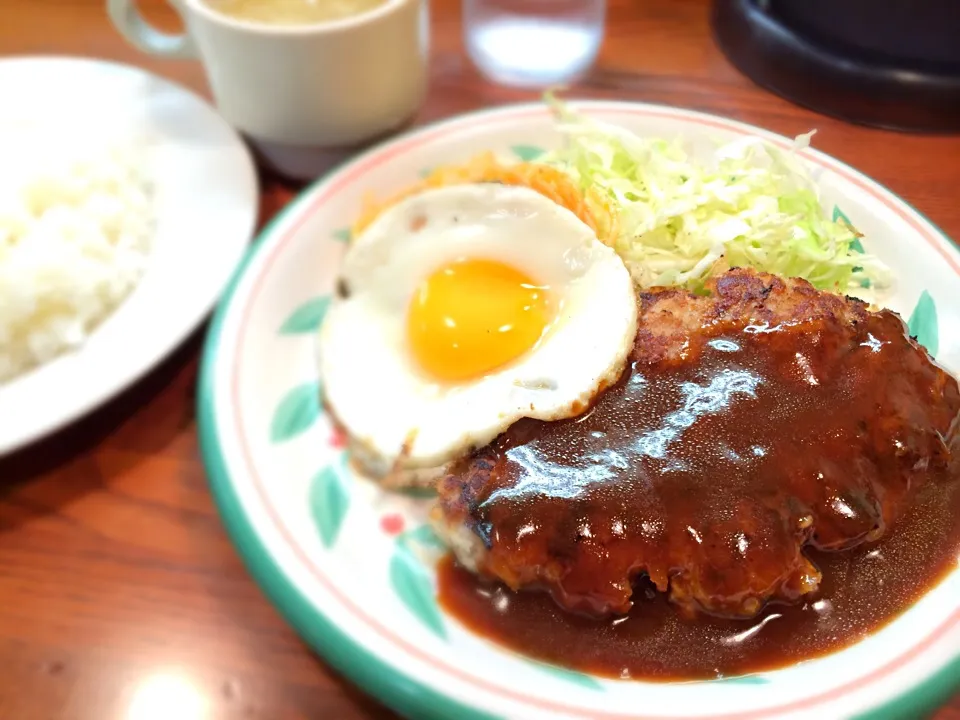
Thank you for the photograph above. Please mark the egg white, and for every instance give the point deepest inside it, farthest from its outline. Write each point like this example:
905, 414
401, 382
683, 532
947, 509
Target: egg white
404, 426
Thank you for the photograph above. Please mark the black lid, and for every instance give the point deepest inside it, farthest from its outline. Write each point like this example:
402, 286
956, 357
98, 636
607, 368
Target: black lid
859, 60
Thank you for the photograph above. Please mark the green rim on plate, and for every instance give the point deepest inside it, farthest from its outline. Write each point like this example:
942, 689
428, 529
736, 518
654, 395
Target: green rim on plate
410, 697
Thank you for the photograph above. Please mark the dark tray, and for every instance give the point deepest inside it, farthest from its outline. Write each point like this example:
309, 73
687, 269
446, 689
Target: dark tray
886, 63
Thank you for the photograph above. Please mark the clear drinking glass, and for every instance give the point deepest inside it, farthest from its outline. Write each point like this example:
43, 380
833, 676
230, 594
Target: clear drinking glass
533, 43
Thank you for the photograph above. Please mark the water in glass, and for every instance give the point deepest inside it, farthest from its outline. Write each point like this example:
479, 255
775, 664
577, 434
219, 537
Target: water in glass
533, 43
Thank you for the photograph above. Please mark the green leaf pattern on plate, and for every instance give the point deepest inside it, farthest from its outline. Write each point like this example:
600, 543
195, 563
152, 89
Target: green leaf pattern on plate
424, 536
857, 246
329, 501
838, 214
741, 680
296, 412
411, 583
307, 317
416, 492
923, 323
343, 234
584, 680
527, 153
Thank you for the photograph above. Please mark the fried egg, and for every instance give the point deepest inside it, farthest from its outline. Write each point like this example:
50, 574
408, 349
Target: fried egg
458, 312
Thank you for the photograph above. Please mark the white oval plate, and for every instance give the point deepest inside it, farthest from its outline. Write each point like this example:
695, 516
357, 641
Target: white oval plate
350, 565
206, 204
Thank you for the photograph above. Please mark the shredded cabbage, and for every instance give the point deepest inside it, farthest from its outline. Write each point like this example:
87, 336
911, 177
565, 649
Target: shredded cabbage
682, 220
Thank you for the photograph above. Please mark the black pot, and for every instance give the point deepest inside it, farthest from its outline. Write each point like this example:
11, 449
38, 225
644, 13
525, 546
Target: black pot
890, 63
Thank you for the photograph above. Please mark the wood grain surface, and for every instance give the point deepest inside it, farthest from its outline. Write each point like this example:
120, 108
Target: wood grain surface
119, 590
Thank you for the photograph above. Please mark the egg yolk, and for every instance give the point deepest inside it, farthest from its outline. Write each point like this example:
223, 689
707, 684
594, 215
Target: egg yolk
472, 316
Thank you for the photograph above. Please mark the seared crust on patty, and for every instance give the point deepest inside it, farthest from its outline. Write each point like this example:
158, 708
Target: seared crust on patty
668, 317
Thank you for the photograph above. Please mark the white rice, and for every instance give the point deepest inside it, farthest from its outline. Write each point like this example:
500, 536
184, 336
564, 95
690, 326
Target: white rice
76, 225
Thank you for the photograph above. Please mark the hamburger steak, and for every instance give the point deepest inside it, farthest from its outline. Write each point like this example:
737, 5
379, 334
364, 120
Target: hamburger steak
750, 423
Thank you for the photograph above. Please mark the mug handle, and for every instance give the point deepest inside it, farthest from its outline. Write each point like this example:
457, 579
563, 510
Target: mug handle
142, 35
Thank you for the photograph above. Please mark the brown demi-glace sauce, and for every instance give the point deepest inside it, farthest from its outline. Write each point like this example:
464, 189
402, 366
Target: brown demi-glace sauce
697, 464
861, 590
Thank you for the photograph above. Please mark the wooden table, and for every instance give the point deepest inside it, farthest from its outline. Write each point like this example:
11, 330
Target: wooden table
118, 587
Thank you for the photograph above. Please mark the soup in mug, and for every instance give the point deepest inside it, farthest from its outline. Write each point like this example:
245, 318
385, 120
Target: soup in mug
292, 12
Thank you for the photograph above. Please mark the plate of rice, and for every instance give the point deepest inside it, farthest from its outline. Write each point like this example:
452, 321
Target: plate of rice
125, 204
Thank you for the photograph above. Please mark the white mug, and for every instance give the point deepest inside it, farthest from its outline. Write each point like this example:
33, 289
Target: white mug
297, 91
